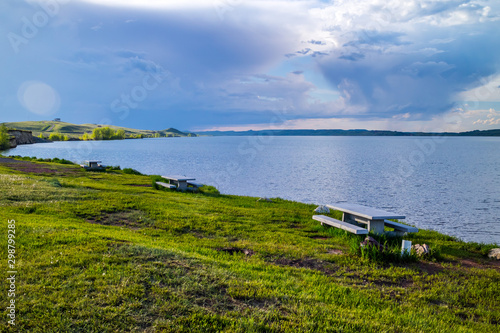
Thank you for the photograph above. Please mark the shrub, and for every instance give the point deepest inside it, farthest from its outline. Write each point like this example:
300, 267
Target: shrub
105, 133
131, 171
86, 137
60, 161
54, 182
208, 189
58, 137
157, 178
4, 138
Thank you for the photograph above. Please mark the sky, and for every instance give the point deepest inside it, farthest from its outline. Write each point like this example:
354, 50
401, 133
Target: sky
407, 65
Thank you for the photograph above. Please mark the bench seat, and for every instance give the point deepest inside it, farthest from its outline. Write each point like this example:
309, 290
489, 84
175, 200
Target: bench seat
339, 224
195, 184
400, 227
171, 186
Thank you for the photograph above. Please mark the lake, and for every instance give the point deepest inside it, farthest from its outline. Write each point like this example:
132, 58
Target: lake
448, 184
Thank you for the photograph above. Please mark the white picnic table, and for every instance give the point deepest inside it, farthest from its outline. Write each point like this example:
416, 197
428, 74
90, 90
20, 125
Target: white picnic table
375, 219
181, 182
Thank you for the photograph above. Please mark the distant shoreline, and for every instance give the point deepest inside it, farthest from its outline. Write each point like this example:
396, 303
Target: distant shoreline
355, 132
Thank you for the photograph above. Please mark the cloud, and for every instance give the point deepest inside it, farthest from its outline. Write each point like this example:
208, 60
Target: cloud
485, 117
97, 27
388, 67
352, 56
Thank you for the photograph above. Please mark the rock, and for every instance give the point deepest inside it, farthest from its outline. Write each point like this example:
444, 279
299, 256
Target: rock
494, 254
370, 241
322, 209
235, 250
20, 137
421, 250
264, 199
248, 252
40, 140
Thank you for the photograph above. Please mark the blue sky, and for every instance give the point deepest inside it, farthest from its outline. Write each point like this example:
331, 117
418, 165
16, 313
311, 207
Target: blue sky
415, 65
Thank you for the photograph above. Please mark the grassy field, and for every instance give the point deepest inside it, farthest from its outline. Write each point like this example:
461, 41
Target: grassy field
75, 131
106, 252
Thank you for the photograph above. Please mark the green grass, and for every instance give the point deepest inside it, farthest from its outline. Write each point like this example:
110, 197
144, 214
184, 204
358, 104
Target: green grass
75, 131
106, 252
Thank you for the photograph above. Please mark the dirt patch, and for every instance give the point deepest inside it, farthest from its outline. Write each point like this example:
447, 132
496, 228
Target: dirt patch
403, 283
490, 264
235, 250
309, 263
10, 160
38, 168
430, 268
132, 219
319, 237
334, 251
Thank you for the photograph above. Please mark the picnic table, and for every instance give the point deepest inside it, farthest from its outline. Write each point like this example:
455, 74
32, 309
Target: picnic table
182, 183
92, 165
375, 219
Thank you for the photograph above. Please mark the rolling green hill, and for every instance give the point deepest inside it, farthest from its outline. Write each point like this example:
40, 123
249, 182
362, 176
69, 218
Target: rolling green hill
75, 131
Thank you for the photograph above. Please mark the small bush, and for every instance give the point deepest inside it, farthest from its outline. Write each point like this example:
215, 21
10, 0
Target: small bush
130, 171
4, 138
157, 178
208, 189
58, 137
60, 161
54, 182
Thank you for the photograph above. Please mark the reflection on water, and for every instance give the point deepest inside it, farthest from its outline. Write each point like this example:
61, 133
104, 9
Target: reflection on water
448, 184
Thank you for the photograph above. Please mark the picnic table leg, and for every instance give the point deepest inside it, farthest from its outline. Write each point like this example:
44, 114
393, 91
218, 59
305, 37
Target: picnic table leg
376, 226
346, 217
182, 186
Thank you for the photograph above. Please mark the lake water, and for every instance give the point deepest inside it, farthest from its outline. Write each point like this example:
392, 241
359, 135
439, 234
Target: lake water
449, 184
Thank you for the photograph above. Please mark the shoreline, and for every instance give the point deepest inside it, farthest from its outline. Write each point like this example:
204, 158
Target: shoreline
18, 158
448, 223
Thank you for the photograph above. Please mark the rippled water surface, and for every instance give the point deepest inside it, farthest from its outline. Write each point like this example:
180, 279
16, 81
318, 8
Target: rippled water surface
447, 184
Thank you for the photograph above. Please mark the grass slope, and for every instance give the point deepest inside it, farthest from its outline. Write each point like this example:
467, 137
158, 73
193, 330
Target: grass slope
75, 131
105, 252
